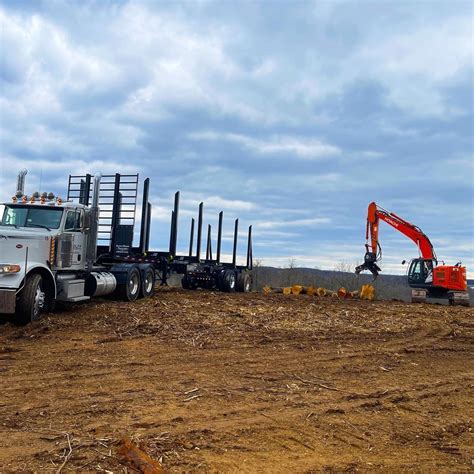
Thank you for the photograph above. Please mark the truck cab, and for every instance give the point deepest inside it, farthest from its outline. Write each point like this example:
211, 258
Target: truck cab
39, 237
55, 224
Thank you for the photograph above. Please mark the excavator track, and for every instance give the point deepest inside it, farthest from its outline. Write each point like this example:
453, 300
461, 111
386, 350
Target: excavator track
418, 296
458, 298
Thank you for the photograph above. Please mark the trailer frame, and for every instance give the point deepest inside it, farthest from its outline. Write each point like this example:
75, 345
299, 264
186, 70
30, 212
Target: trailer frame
198, 272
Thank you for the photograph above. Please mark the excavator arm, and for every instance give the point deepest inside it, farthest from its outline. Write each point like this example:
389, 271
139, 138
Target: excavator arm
373, 250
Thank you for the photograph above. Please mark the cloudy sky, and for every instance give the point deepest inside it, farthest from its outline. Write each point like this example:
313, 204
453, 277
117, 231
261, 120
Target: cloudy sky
291, 115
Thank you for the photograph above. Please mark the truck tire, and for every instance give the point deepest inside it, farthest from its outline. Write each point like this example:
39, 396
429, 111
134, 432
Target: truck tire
244, 283
220, 280
31, 302
229, 281
188, 284
147, 287
185, 283
130, 289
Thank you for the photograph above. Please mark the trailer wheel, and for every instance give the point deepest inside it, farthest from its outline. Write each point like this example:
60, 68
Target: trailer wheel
229, 281
31, 302
130, 290
244, 283
188, 284
147, 287
220, 280
185, 283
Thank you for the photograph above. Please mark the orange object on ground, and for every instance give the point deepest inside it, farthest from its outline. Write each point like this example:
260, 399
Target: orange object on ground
138, 459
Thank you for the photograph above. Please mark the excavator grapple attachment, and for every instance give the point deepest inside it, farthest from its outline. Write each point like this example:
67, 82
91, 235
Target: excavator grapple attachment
369, 264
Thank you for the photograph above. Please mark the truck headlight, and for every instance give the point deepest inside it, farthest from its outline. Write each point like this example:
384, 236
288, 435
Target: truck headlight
9, 268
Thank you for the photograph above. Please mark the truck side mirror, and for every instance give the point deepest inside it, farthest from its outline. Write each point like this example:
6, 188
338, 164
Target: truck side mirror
403, 262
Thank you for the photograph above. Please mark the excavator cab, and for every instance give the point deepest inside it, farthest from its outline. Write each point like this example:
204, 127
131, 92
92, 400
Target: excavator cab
420, 272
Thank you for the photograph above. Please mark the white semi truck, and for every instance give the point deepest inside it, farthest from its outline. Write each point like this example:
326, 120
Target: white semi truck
54, 250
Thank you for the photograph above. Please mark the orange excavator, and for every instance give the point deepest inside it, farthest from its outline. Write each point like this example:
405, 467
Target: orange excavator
426, 278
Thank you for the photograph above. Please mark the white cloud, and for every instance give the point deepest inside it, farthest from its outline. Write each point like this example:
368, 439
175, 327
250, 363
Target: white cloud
295, 224
305, 148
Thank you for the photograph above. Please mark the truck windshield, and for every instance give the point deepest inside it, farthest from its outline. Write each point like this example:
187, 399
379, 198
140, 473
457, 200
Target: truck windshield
32, 216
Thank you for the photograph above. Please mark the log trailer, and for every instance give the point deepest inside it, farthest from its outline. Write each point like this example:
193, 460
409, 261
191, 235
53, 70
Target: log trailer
426, 278
54, 250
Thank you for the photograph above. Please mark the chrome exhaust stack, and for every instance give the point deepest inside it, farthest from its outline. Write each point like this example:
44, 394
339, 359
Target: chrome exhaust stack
91, 253
20, 184
95, 195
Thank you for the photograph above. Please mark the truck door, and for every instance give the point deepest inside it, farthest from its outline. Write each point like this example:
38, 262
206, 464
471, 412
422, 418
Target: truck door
75, 226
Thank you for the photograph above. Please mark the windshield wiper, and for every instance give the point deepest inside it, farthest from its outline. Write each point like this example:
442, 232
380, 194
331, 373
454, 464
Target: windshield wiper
39, 225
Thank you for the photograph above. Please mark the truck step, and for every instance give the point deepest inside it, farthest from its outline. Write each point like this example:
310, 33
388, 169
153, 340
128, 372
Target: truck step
77, 299
72, 291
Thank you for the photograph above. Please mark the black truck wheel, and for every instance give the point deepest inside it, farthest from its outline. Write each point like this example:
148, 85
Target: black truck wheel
31, 302
130, 289
229, 281
220, 280
244, 283
187, 283
147, 287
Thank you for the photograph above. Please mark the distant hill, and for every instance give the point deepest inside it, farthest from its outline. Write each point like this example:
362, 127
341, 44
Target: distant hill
386, 286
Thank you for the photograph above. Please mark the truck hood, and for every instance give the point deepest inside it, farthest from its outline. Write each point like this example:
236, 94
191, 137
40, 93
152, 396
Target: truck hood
25, 247
34, 232
14, 242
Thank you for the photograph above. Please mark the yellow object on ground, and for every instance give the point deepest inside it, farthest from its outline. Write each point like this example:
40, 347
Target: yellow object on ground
367, 292
297, 289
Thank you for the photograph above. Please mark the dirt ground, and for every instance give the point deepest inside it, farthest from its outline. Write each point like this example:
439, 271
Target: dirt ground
216, 382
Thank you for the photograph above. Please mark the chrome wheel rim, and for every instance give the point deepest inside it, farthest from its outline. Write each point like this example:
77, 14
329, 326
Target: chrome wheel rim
149, 283
38, 302
133, 284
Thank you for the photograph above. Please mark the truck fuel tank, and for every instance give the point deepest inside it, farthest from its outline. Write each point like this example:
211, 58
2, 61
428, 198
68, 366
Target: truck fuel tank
100, 284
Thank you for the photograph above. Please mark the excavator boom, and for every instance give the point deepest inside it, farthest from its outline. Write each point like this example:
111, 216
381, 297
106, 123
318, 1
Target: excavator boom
376, 213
